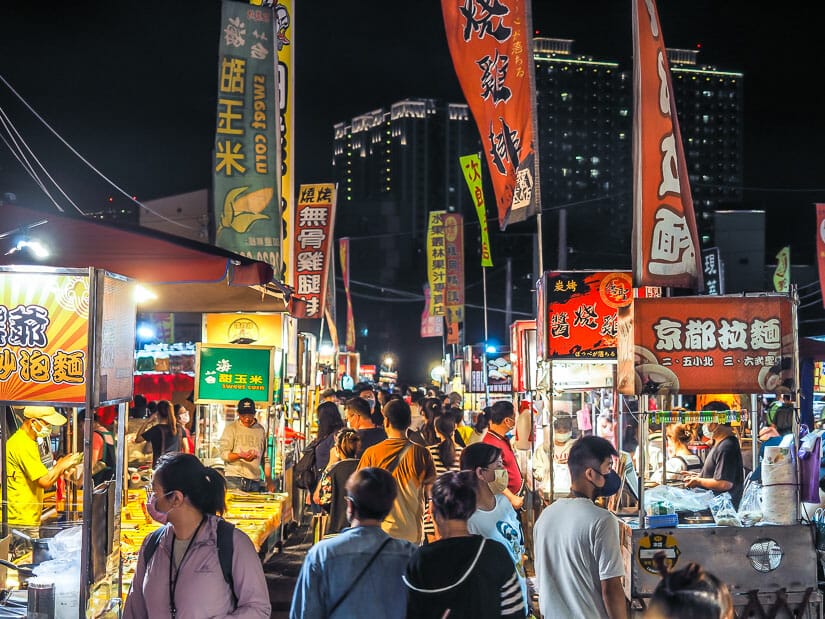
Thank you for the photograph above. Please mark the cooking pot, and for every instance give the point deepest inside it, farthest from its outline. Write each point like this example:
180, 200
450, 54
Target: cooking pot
40, 547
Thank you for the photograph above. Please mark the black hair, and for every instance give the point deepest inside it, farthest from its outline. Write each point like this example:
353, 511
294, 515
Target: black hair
398, 414
202, 485
453, 495
358, 406
167, 412
347, 441
588, 452
681, 433
479, 455
372, 492
446, 448
689, 593
152, 406
140, 401
482, 420
416, 396
329, 419
501, 410
563, 424
431, 408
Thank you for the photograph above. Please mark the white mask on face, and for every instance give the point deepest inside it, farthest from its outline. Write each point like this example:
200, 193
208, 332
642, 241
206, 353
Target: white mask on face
707, 431
43, 430
562, 437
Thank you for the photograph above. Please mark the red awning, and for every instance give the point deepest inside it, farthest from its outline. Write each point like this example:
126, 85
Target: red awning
185, 275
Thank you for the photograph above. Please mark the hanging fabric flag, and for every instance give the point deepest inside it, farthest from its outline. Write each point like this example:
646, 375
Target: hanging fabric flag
436, 263
782, 274
431, 326
315, 220
665, 243
471, 167
491, 44
246, 203
343, 249
820, 247
454, 250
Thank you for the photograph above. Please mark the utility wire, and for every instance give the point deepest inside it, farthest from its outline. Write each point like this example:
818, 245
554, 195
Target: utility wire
87, 162
21, 158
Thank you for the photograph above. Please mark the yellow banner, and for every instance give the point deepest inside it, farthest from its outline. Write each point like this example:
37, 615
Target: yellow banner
782, 274
258, 329
471, 166
44, 335
436, 263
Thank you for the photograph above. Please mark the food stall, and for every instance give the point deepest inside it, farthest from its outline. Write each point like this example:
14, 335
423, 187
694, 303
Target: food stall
66, 340
720, 344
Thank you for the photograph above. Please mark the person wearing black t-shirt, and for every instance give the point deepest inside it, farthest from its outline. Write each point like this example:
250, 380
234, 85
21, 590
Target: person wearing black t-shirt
359, 418
722, 471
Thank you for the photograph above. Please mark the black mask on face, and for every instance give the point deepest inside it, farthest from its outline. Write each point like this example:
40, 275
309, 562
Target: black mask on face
612, 483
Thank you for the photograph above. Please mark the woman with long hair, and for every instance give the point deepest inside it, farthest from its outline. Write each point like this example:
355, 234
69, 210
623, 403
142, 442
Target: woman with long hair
161, 430
446, 456
431, 409
689, 593
332, 487
482, 422
184, 578
329, 422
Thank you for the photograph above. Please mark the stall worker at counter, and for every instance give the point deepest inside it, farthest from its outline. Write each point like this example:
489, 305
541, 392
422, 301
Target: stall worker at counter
722, 471
243, 449
26, 474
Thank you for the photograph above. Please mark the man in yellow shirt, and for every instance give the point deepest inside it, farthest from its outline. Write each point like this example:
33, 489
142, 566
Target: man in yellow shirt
26, 475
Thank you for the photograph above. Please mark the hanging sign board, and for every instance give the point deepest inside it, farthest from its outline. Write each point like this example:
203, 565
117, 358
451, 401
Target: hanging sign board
708, 344
225, 373
258, 329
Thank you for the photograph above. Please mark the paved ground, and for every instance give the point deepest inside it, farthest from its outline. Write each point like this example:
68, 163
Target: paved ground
282, 569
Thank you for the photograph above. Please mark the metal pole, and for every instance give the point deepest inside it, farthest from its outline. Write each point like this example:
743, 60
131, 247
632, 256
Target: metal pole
642, 458
562, 239
484, 355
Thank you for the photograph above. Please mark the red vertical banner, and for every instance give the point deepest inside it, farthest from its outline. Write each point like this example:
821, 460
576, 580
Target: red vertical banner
491, 47
665, 243
820, 247
453, 333
343, 248
314, 221
431, 326
454, 254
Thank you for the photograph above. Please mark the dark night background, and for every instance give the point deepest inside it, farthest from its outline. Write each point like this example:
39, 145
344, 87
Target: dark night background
132, 86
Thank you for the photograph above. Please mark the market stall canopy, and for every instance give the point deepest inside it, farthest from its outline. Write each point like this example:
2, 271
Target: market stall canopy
185, 275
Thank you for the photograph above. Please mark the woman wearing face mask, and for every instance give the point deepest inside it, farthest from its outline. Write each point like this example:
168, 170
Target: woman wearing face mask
562, 442
182, 417
502, 417
183, 578
494, 517
161, 430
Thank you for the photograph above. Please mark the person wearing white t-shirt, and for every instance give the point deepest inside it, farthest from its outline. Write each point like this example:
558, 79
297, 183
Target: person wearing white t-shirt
578, 558
494, 517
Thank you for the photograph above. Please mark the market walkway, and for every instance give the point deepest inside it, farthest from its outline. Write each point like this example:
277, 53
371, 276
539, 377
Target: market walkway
282, 570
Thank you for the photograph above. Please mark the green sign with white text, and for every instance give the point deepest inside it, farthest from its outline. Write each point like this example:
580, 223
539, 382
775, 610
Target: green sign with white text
228, 372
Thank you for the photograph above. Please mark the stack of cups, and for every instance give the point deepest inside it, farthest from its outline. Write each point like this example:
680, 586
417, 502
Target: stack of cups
779, 486
41, 599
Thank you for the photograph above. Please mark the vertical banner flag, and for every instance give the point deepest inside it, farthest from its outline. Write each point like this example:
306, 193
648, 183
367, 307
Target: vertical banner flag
471, 167
246, 184
665, 243
454, 250
492, 51
315, 220
712, 271
453, 333
436, 263
820, 247
343, 249
431, 326
782, 274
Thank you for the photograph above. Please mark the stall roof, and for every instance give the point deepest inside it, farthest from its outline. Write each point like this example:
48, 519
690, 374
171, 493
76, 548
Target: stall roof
186, 275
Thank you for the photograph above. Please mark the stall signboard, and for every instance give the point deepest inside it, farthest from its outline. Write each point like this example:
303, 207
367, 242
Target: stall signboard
523, 343
484, 371
44, 337
225, 373
258, 329
718, 344
312, 248
116, 339
581, 315
454, 257
436, 263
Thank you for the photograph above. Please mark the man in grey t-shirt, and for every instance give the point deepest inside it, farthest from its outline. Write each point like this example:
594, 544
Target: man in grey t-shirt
243, 449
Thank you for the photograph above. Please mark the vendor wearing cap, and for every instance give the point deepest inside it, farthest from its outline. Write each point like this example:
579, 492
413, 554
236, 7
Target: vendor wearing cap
722, 471
26, 474
243, 449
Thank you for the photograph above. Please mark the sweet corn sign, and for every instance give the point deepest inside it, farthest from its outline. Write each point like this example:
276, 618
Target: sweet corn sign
226, 373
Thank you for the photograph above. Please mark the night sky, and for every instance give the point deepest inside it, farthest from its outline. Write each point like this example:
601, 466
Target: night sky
132, 86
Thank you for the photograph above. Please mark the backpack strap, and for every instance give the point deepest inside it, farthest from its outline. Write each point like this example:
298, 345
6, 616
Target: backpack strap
391, 468
152, 541
226, 549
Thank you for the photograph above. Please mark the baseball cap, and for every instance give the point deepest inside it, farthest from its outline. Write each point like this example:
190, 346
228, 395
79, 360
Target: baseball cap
46, 413
246, 406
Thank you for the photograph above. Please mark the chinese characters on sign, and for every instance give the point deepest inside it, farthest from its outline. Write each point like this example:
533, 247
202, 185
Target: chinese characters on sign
707, 345
665, 243
247, 203
491, 49
43, 338
581, 313
227, 373
471, 167
437, 263
713, 271
431, 326
314, 219
454, 256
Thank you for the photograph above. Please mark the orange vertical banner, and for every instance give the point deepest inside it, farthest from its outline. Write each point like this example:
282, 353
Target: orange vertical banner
665, 243
491, 47
820, 247
343, 249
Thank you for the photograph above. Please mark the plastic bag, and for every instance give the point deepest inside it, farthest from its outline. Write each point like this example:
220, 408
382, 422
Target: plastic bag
723, 512
682, 499
750, 507
66, 543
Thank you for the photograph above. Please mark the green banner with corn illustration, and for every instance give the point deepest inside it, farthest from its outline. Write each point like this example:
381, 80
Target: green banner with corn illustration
246, 168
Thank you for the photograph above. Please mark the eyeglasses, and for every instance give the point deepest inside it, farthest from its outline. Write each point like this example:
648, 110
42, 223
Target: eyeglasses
150, 493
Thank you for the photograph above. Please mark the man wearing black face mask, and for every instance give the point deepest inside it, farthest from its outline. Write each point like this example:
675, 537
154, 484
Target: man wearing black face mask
578, 556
